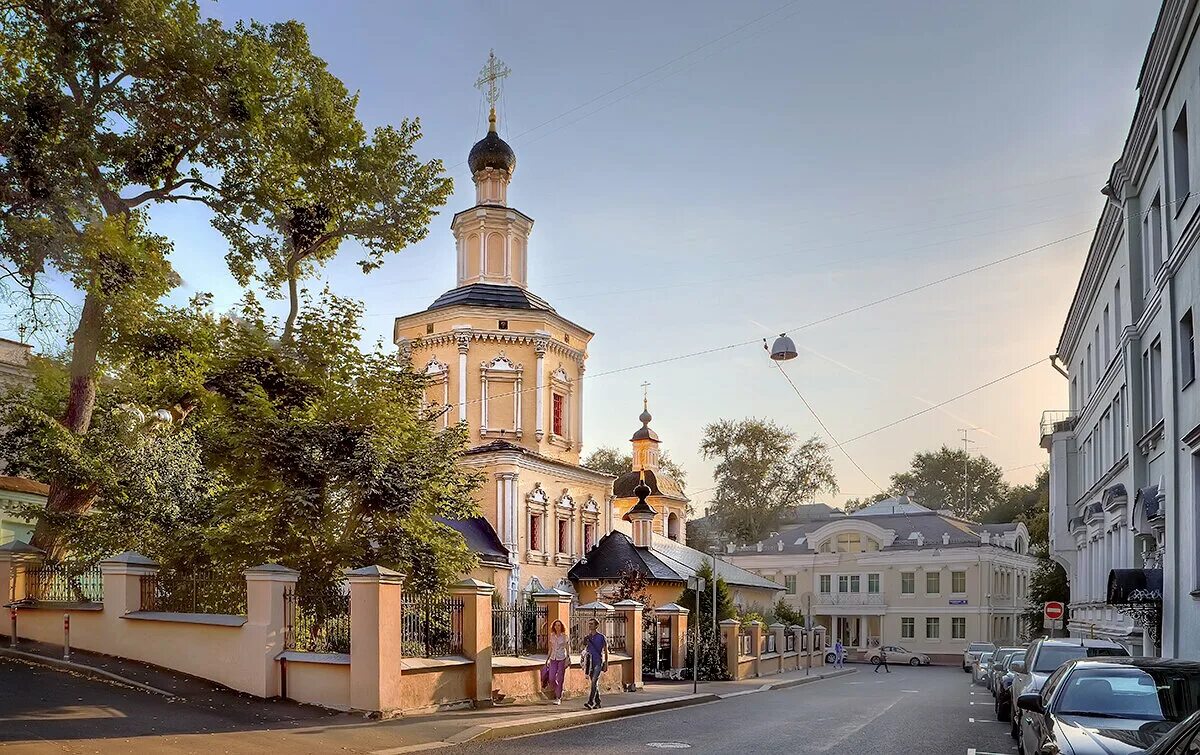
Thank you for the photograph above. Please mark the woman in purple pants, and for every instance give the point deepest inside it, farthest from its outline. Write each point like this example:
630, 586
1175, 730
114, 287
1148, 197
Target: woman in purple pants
558, 657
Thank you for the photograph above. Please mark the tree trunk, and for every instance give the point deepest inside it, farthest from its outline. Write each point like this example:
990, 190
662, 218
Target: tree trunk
81, 401
293, 306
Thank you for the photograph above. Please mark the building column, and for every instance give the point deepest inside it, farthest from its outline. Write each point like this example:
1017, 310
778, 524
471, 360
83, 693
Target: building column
477, 636
558, 607
756, 635
266, 617
16, 558
541, 342
579, 407
462, 336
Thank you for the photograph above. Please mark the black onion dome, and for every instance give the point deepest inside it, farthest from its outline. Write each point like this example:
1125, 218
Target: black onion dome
492, 152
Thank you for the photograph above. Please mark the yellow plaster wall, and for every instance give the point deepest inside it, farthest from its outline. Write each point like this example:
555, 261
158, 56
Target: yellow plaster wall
326, 684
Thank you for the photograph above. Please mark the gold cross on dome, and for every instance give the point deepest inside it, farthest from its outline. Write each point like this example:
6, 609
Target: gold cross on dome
645, 393
490, 76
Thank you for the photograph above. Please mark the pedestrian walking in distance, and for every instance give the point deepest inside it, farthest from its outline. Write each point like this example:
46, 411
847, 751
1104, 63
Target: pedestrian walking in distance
595, 661
839, 655
882, 661
558, 657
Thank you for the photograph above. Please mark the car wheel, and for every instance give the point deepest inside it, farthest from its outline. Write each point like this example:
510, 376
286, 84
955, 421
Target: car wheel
914, 662
1014, 730
830, 658
967, 669
1001, 713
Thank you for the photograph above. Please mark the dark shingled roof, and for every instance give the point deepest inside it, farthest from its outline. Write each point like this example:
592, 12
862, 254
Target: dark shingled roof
480, 537
666, 560
491, 295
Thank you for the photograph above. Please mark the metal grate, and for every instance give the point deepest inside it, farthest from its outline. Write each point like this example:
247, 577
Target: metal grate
317, 621
612, 627
64, 583
194, 592
431, 626
518, 630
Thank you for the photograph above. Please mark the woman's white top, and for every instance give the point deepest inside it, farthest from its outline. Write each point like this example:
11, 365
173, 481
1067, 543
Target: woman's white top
559, 646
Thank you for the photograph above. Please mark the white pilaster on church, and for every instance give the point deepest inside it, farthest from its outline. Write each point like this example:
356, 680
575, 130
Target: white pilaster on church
579, 394
540, 344
462, 336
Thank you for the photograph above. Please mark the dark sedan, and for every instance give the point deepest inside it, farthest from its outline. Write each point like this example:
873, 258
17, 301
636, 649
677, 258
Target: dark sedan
1108, 706
1184, 739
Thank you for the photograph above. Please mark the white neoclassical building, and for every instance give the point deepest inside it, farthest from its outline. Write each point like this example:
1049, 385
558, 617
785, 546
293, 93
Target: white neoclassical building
898, 573
1125, 455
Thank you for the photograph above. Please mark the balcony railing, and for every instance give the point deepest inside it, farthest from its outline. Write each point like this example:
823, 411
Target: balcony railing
1057, 421
850, 599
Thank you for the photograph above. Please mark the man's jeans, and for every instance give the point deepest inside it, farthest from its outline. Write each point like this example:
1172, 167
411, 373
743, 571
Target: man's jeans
595, 670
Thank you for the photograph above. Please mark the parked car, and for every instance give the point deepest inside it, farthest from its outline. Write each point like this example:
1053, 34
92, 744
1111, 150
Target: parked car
979, 670
971, 654
1108, 706
1184, 739
999, 667
1043, 658
1004, 695
898, 655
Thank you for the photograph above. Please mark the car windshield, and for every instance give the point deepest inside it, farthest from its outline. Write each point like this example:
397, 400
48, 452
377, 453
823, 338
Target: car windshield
1051, 657
1015, 658
1150, 694
984, 658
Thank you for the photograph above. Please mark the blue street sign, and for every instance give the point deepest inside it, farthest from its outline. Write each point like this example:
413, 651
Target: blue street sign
958, 602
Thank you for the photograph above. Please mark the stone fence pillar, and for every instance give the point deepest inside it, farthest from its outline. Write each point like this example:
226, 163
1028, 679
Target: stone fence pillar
756, 635
678, 616
476, 596
375, 638
729, 635
122, 575
15, 558
632, 610
558, 608
266, 620
819, 646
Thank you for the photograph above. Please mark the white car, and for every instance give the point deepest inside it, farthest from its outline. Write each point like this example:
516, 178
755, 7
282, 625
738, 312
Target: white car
897, 655
982, 667
971, 654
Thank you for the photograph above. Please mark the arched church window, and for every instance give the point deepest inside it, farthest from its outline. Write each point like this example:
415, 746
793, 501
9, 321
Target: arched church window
673, 526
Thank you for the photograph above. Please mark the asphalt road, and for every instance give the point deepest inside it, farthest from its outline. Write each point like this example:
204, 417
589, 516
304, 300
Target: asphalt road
911, 710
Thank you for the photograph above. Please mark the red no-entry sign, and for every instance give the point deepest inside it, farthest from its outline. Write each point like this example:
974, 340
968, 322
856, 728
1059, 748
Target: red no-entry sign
1053, 610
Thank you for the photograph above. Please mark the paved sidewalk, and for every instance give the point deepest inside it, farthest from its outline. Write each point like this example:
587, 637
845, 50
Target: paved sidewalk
206, 717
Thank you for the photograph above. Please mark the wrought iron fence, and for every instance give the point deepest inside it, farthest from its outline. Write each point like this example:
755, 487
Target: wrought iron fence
194, 592
612, 627
431, 626
518, 629
64, 583
317, 621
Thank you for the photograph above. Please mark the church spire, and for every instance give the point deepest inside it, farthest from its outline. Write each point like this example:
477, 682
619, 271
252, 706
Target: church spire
645, 441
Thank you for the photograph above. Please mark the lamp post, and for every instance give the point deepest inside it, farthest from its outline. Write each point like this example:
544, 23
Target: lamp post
713, 550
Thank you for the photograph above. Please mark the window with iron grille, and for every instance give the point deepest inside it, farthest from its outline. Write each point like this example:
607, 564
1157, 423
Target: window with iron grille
564, 535
558, 425
535, 532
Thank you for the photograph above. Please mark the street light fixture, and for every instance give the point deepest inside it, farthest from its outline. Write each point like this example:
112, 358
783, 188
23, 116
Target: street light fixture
783, 350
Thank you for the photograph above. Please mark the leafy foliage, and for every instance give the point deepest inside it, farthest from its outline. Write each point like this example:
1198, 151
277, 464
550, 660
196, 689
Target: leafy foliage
948, 478
762, 469
1049, 582
609, 460
704, 616
316, 456
784, 613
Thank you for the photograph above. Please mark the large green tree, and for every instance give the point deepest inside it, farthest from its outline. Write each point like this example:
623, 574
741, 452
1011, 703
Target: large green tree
949, 478
762, 469
110, 107
319, 457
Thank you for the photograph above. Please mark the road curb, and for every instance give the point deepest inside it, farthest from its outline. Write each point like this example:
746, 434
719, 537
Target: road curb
810, 679
79, 668
539, 724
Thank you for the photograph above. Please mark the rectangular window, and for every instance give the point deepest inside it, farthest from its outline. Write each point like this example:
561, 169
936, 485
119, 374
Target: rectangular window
1098, 365
1118, 326
1090, 370
958, 581
825, 583
1152, 242
908, 583
933, 628
789, 583
1107, 337
535, 532
1180, 158
1156, 408
843, 583
558, 425
564, 536
933, 582
958, 628
873, 584
1187, 349
589, 536
1075, 393
908, 628
855, 583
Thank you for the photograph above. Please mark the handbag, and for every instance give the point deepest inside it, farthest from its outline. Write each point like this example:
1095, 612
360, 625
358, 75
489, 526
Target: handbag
545, 674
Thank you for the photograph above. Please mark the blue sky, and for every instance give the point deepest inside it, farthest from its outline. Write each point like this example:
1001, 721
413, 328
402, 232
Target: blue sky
804, 163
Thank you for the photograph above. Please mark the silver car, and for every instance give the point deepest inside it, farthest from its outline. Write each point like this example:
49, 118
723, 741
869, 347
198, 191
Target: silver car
971, 654
980, 670
1043, 658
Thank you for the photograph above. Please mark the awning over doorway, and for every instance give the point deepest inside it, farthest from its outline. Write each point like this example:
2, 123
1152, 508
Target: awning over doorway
1135, 587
